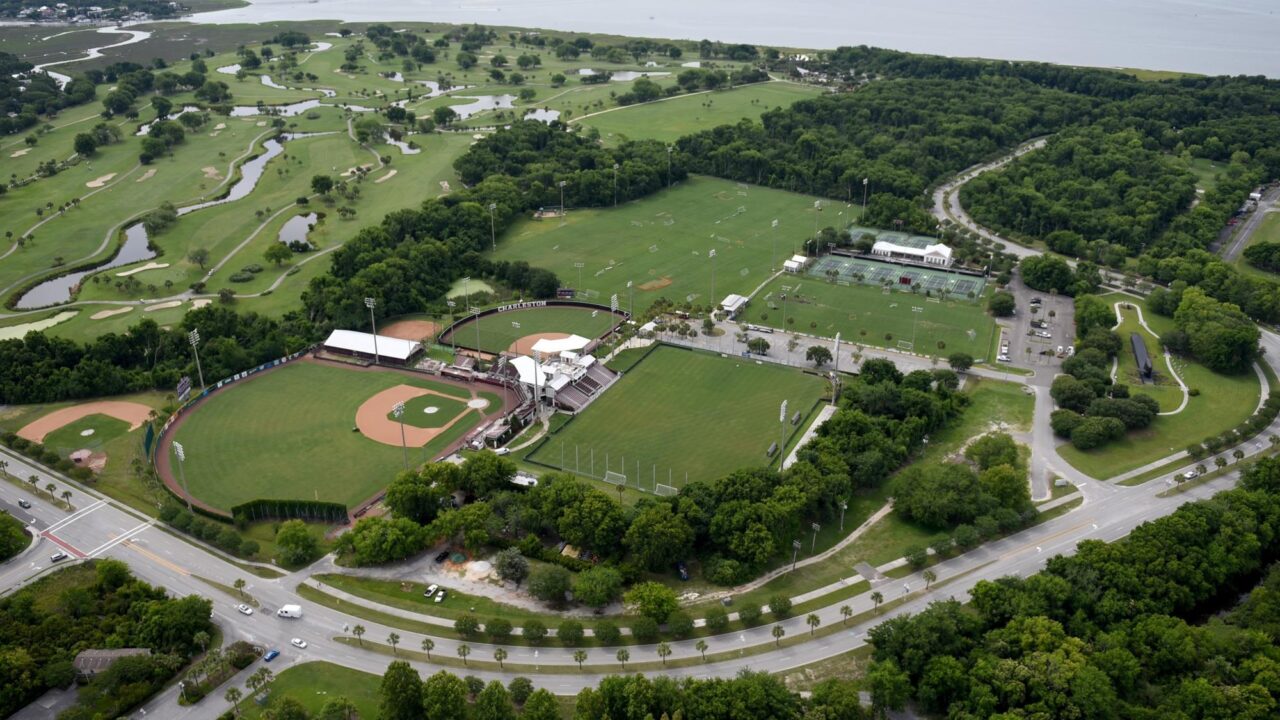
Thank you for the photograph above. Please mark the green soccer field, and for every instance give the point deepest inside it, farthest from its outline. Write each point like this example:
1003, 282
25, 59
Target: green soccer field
288, 434
497, 332
866, 315
681, 411
662, 243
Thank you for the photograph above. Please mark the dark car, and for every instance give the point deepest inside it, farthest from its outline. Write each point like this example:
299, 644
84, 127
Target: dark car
683, 570
271, 655
442, 556
24, 504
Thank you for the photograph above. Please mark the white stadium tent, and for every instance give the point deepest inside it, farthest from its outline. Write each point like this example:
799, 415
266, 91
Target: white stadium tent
359, 344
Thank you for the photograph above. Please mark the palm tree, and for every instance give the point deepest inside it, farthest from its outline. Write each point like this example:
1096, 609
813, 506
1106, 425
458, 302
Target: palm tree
358, 631
623, 656
846, 612
501, 655
202, 639
4, 466
33, 480
51, 487
239, 586
813, 621
664, 650
1238, 454
929, 576
66, 494
778, 631
579, 656
877, 598
428, 645
463, 652
701, 646
233, 696
393, 640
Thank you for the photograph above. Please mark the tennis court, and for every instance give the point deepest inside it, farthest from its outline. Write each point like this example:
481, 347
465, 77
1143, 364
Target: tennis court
933, 282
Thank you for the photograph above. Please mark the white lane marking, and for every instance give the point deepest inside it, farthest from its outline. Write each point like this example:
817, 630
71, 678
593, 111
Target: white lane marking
119, 539
75, 516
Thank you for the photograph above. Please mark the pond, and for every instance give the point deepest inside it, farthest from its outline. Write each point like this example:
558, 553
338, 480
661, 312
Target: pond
136, 248
296, 228
145, 128
250, 173
543, 115
482, 103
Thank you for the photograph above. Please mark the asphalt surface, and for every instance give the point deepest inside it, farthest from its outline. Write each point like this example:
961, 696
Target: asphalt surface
1251, 224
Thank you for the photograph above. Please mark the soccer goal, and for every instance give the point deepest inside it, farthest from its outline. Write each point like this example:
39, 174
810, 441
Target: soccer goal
615, 478
663, 490
906, 345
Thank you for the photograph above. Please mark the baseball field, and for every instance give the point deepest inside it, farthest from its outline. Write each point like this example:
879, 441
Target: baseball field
866, 315
503, 331
682, 411
291, 433
662, 244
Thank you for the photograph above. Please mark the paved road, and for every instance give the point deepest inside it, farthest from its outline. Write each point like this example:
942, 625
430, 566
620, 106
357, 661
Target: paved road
946, 198
1251, 224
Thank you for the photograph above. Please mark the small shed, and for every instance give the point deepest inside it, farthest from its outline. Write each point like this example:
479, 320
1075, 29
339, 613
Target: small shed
1140, 355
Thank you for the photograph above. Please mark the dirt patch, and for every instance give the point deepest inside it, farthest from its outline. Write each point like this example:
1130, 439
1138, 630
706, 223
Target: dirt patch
162, 306
100, 181
211, 172
373, 423
524, 346
133, 413
19, 153
386, 177
415, 330
658, 284
220, 126
146, 175
104, 314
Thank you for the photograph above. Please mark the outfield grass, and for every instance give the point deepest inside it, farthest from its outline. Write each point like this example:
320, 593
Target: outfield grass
866, 315
288, 434
497, 332
685, 412
672, 119
661, 243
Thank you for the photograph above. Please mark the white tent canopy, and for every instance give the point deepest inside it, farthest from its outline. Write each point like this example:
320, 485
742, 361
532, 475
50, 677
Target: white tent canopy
363, 343
547, 346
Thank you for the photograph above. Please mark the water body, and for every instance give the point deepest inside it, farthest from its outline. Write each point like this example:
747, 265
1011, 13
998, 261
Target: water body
543, 115
145, 129
296, 228
250, 173
404, 147
482, 103
266, 80
291, 109
1206, 36
136, 248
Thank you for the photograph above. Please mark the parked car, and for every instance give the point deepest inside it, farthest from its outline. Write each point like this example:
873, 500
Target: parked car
440, 595
431, 590
442, 556
1043, 334
271, 655
1190, 475
24, 504
1036, 301
298, 643
244, 609
58, 556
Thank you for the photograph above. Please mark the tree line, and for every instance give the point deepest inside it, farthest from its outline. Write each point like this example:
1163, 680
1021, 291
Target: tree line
25, 96
1114, 631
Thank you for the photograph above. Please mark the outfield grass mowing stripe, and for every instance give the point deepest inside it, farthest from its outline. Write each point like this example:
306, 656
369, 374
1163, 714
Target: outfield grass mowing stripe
681, 411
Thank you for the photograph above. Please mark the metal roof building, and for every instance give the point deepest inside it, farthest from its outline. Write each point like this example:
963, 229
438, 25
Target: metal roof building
350, 342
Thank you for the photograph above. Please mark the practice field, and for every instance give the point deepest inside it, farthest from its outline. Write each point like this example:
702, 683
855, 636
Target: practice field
502, 331
868, 316
681, 411
662, 243
289, 433
88, 433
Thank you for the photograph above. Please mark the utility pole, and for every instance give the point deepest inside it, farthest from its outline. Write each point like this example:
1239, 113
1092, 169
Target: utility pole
712, 255
193, 337
773, 266
371, 303
864, 195
615, 184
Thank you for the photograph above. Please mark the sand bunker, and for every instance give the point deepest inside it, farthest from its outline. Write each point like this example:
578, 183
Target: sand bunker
15, 332
211, 172
162, 306
146, 175
444, 185
386, 177
220, 126
148, 266
261, 123
99, 182
104, 314
415, 330
131, 412
20, 153
196, 304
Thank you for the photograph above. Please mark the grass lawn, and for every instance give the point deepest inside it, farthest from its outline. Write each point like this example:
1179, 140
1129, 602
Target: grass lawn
683, 412
1164, 390
498, 332
313, 683
864, 314
993, 405
288, 434
661, 243
1268, 232
671, 119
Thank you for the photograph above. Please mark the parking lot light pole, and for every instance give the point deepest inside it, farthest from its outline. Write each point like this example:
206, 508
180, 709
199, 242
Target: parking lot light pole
814, 543
844, 505
795, 552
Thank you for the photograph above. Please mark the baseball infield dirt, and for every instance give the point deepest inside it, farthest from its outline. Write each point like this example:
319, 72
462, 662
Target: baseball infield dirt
133, 413
372, 420
416, 330
524, 346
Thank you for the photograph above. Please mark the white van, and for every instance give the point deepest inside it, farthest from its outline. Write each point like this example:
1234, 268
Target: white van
290, 611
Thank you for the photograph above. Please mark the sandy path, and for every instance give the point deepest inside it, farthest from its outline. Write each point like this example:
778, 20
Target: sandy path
104, 314
133, 413
386, 177
162, 306
372, 420
147, 175
196, 304
148, 266
414, 330
99, 182
524, 346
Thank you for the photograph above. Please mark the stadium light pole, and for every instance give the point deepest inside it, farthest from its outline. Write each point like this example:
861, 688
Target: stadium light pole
864, 195
182, 472
712, 255
193, 337
630, 297
398, 411
493, 233
844, 505
773, 263
561, 185
371, 303
615, 184
915, 314
452, 340
817, 208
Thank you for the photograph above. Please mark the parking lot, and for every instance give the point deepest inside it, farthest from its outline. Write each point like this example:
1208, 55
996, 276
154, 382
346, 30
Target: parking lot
1053, 315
